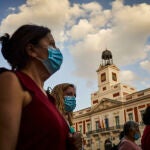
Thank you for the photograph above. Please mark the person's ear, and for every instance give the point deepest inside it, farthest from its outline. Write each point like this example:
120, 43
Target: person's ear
31, 50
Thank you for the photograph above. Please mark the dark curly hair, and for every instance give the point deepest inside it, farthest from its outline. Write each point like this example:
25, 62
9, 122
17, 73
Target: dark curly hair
14, 47
146, 116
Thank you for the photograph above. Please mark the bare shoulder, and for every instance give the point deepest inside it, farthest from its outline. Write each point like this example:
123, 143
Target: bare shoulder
8, 76
11, 102
11, 89
9, 80
10, 86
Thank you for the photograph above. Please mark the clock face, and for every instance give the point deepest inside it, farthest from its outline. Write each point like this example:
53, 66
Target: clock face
114, 76
103, 77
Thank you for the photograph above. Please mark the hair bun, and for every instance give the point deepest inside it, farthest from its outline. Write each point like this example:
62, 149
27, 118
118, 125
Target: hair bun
5, 44
5, 38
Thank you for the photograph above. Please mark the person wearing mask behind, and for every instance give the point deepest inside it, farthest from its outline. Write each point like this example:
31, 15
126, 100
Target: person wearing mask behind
65, 96
145, 141
131, 134
29, 119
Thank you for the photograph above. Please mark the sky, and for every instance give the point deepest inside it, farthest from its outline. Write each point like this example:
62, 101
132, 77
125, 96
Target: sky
82, 30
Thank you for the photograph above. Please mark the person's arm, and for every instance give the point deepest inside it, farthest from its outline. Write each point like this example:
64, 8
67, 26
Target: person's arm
11, 102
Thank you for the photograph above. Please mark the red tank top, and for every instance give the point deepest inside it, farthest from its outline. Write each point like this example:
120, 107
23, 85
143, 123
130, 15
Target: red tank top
42, 127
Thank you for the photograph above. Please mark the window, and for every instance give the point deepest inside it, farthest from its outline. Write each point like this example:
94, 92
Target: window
95, 101
124, 93
88, 127
142, 112
115, 86
116, 94
80, 128
128, 97
140, 94
130, 115
117, 121
114, 76
104, 88
97, 125
103, 77
106, 122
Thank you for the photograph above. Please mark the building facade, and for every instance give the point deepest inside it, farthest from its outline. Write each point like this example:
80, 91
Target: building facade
112, 105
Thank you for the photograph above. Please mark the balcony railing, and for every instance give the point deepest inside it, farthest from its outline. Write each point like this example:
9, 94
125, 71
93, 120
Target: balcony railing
113, 129
101, 130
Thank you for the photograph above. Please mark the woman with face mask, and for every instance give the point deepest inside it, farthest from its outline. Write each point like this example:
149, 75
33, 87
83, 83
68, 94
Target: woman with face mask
29, 119
131, 134
65, 96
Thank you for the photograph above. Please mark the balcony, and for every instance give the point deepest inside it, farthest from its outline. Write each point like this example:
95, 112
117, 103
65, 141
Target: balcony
114, 129
105, 130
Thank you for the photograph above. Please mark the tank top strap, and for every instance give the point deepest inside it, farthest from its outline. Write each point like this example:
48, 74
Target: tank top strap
27, 82
29, 85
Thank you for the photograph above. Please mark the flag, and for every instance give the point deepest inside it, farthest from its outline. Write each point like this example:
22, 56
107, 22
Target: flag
103, 123
100, 126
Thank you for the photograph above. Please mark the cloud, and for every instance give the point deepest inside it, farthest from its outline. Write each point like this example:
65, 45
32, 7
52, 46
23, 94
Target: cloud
146, 83
87, 54
88, 29
83, 26
127, 76
12, 9
145, 65
147, 48
124, 31
135, 80
96, 15
46, 12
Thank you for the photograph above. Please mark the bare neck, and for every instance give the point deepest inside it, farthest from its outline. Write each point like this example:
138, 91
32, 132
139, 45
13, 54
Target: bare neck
37, 75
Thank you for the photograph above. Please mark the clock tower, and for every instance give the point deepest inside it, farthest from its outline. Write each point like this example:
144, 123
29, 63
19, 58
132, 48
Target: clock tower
108, 73
109, 85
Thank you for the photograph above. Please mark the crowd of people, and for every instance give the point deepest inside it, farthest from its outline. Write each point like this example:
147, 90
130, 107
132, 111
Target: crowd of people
34, 119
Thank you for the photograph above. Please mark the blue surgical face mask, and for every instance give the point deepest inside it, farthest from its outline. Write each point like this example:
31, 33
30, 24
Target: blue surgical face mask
136, 136
70, 103
54, 60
